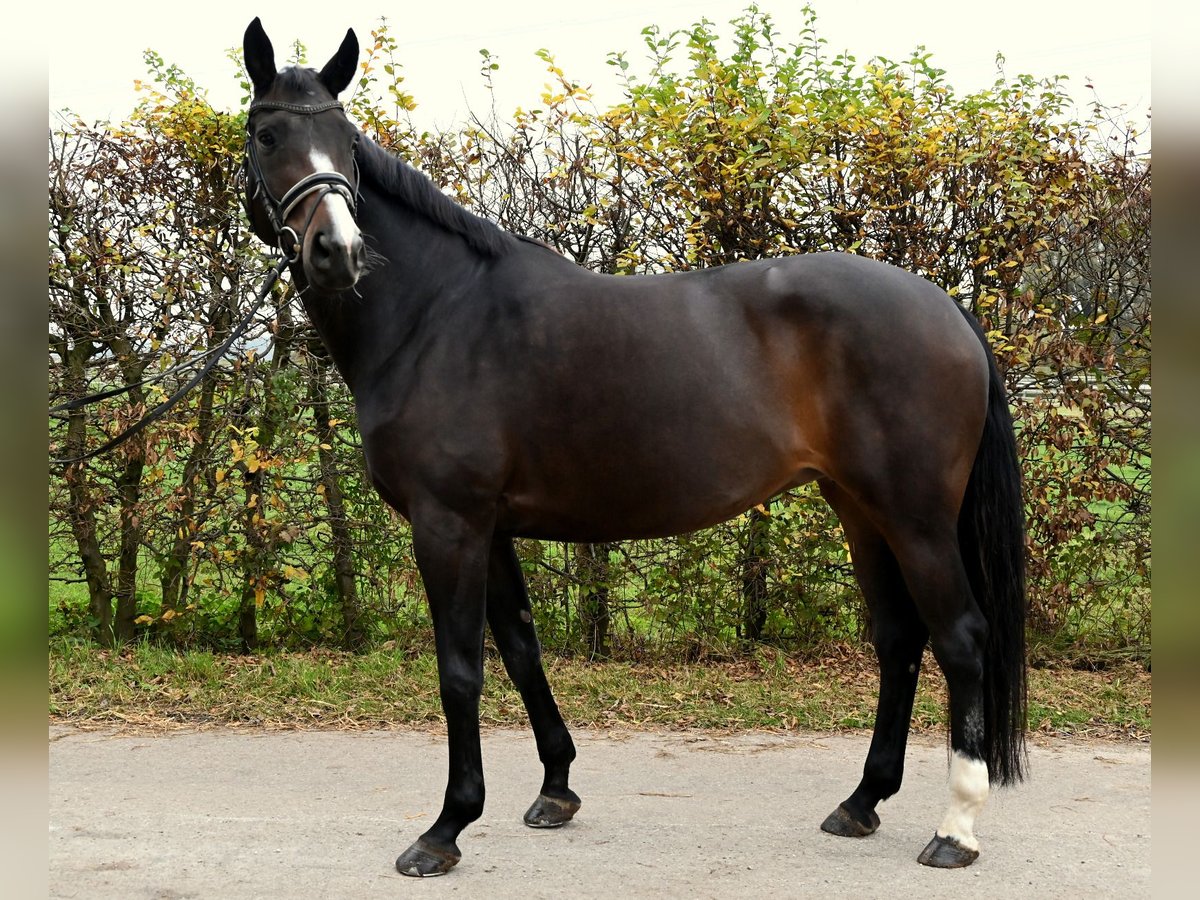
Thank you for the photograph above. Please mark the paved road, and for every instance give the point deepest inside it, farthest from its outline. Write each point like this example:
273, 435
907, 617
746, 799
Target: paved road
231, 814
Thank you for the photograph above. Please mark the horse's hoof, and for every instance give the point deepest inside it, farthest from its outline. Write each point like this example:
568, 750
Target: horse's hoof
946, 853
550, 812
423, 860
843, 824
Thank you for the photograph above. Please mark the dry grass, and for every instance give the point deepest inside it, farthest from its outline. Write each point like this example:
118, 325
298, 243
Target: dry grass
147, 687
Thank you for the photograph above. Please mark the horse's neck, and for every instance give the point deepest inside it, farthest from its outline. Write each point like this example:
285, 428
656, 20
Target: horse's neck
365, 327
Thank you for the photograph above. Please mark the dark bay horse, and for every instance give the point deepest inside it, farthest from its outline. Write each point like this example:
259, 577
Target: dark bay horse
503, 391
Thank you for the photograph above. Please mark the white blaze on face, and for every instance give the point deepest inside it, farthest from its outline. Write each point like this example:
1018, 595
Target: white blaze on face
968, 793
342, 227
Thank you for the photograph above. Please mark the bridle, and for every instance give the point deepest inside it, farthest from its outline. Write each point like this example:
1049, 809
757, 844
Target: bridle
278, 210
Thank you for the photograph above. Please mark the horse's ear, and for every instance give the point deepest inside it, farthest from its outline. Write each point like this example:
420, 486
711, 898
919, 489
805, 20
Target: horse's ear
260, 57
339, 71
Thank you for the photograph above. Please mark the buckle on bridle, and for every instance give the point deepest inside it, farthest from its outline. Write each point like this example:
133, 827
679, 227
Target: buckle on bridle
294, 254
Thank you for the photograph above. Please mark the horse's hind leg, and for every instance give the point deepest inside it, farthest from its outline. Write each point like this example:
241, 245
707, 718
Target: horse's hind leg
511, 622
899, 637
932, 564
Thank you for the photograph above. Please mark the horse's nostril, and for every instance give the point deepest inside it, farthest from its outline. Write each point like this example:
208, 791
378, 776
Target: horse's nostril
322, 248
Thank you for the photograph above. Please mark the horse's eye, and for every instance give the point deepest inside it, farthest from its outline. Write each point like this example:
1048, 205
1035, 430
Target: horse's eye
266, 138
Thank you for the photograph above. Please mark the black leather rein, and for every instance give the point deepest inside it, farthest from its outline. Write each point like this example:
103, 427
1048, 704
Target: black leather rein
159, 411
290, 242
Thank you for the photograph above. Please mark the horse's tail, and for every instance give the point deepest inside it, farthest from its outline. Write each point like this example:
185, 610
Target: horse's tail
991, 528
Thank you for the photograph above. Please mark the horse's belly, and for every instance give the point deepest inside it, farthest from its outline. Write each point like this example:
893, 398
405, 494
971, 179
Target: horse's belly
623, 495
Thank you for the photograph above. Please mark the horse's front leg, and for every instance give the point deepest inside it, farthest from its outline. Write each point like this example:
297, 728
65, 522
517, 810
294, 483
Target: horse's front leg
452, 556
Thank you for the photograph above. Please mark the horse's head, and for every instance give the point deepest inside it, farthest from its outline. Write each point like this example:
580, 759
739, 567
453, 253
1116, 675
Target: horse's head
301, 179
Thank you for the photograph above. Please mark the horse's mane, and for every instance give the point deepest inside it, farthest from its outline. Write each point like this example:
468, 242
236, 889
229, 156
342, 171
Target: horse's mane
414, 189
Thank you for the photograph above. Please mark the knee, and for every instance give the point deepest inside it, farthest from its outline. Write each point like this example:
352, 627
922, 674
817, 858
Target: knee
461, 688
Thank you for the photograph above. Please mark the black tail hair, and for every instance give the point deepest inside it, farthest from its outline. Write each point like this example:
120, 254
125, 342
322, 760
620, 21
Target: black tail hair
991, 527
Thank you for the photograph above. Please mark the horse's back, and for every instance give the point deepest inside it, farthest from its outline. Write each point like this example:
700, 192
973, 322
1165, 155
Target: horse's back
850, 300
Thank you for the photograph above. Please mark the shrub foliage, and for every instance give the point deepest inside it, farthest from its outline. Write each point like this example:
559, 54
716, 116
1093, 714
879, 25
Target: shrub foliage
245, 516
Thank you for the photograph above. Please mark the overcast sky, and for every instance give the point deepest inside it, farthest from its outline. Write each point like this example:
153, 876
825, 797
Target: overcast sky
98, 46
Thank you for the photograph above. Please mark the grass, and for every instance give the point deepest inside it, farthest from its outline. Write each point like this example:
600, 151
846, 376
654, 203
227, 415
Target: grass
150, 687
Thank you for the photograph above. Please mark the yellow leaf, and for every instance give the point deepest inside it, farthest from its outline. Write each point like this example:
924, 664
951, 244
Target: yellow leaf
143, 620
1102, 318
260, 595
220, 475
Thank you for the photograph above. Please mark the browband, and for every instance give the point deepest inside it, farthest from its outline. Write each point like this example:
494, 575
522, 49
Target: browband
295, 107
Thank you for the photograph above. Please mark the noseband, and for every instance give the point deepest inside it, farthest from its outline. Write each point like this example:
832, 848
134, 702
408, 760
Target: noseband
320, 183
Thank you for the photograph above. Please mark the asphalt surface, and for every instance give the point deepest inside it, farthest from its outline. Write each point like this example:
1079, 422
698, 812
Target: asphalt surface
233, 814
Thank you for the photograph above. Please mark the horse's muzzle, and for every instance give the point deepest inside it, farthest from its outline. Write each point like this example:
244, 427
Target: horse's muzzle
334, 260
